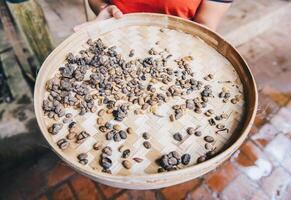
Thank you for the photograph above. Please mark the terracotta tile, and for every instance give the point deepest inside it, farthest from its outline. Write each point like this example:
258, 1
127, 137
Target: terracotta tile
287, 164
85, 188
254, 130
266, 133
179, 191
287, 193
240, 188
259, 165
251, 150
260, 120
281, 121
260, 195
200, 193
243, 160
109, 191
59, 173
279, 148
142, 194
123, 196
275, 184
267, 106
220, 178
277, 96
63, 193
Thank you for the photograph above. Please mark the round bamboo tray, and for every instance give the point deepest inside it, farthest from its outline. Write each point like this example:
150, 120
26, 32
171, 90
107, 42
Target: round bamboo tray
141, 31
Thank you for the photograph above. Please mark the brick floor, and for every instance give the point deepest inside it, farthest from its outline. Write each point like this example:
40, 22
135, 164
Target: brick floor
85, 188
181, 190
63, 193
220, 178
259, 170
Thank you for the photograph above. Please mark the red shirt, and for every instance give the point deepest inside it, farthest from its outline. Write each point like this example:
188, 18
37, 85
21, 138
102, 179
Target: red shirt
181, 8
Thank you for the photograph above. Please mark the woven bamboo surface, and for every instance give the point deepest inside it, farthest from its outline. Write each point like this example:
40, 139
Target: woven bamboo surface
141, 38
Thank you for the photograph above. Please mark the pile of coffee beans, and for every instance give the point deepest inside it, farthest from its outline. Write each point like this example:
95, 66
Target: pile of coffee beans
172, 161
99, 80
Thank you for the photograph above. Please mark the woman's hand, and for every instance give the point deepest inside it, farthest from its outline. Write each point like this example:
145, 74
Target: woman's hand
107, 12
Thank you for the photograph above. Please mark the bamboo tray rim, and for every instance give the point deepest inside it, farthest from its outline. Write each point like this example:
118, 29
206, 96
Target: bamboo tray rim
89, 172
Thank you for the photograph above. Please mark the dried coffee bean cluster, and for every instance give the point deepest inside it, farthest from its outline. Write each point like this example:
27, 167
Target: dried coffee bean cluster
100, 80
172, 161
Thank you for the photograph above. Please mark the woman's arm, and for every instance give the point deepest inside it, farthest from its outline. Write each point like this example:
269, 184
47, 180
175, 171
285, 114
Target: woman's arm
96, 5
210, 12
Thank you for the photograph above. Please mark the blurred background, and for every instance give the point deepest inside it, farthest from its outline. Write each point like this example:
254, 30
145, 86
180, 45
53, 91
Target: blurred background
261, 169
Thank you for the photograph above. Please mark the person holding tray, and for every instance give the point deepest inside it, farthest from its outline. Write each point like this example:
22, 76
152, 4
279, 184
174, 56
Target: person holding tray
206, 12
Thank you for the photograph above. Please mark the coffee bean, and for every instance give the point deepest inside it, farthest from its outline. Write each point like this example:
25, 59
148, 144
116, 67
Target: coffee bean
71, 136
125, 153
174, 154
105, 162
145, 106
126, 164
67, 120
211, 122
107, 150
117, 127
63, 144
208, 146
178, 137
117, 137
178, 115
147, 144
131, 53
97, 146
102, 128
146, 136
100, 121
84, 161
110, 135
210, 154
138, 160
218, 118
198, 133
209, 139
129, 130
72, 124
123, 134
81, 137
224, 116
190, 131
201, 159
108, 125
209, 112
120, 148
82, 156
172, 161
234, 101
160, 170
101, 113
172, 118
220, 126
198, 110
69, 115
55, 128
185, 159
